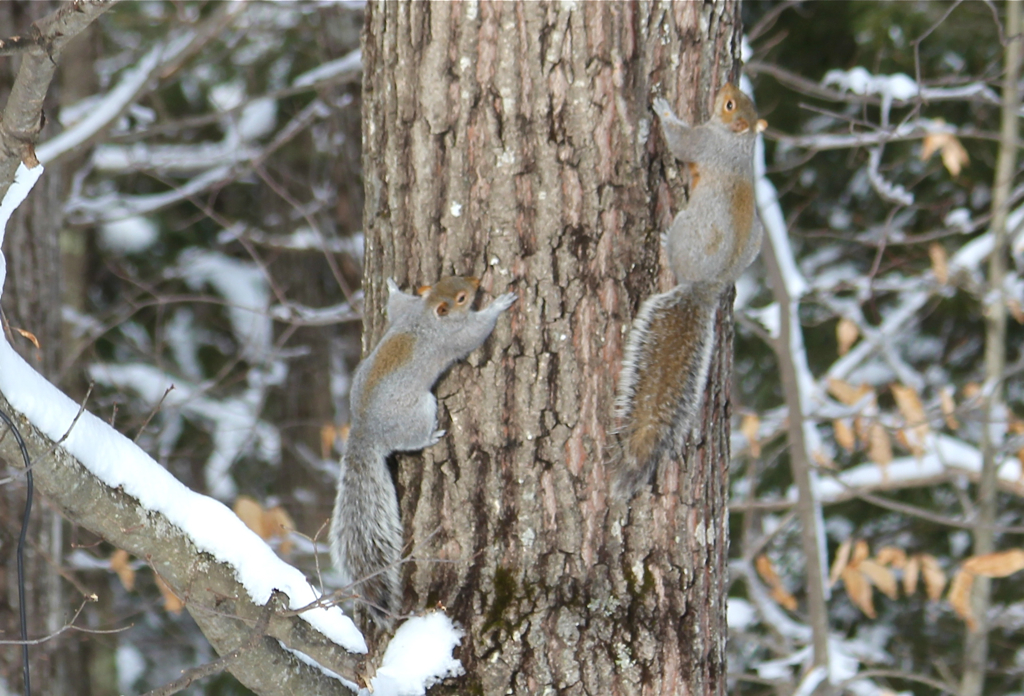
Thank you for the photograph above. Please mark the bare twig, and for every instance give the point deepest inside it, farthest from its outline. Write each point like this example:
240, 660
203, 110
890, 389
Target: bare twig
153, 412
66, 627
221, 663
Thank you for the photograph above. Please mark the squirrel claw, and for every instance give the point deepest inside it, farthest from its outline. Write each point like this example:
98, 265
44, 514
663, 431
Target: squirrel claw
436, 436
663, 109
505, 301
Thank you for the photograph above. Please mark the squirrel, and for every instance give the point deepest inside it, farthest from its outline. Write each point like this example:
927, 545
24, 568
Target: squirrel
393, 410
709, 244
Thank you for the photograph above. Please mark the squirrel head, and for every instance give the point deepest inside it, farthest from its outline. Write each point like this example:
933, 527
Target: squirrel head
450, 294
736, 112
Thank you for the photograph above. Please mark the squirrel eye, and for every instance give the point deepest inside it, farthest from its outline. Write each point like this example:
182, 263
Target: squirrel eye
730, 105
460, 298
442, 309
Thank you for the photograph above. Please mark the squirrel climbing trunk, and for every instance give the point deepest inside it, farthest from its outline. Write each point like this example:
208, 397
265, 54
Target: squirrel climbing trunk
709, 244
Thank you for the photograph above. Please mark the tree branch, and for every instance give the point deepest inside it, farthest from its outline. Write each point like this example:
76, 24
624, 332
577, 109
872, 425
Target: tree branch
994, 431
218, 603
23, 116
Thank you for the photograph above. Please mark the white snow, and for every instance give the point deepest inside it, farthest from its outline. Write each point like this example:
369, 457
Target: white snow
419, 656
24, 180
244, 287
860, 81
740, 614
351, 61
130, 666
113, 206
129, 235
234, 422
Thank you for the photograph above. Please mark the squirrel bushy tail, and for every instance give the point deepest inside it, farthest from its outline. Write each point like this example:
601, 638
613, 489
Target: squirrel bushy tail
366, 534
663, 377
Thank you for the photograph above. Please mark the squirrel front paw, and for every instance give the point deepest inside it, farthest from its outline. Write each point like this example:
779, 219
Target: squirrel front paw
503, 302
662, 108
436, 436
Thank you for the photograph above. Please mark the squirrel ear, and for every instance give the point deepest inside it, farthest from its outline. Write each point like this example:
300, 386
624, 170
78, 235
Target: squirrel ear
442, 309
422, 290
473, 280
761, 125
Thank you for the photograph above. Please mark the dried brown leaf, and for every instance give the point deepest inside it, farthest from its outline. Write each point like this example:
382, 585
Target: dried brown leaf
891, 556
783, 598
860, 552
880, 576
839, 562
940, 262
1016, 310
823, 460
954, 155
859, 590
910, 575
846, 393
277, 522
948, 408
995, 565
971, 390
844, 435
860, 427
119, 564
251, 513
749, 426
908, 401
767, 572
934, 578
172, 602
847, 334
879, 445
960, 597
30, 336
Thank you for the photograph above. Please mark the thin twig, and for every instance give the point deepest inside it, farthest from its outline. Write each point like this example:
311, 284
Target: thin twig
156, 409
221, 663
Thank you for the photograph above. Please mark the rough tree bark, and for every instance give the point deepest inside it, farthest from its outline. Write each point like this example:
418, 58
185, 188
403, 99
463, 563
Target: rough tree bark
514, 141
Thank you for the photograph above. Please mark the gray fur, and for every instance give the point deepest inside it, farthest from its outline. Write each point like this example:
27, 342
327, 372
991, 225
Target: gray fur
708, 244
396, 413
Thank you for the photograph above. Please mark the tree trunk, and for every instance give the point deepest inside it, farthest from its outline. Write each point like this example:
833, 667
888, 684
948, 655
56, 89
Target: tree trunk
514, 141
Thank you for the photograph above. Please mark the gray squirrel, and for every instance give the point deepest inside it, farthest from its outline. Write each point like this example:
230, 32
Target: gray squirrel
711, 241
393, 410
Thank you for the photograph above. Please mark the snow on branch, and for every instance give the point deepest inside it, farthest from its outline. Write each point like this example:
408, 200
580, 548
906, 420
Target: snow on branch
115, 206
888, 191
352, 62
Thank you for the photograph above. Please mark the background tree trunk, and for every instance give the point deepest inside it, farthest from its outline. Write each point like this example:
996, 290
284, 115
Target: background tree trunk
32, 302
513, 141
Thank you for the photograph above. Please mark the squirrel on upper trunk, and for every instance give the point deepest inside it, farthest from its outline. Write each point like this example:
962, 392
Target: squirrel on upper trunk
711, 241
393, 410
